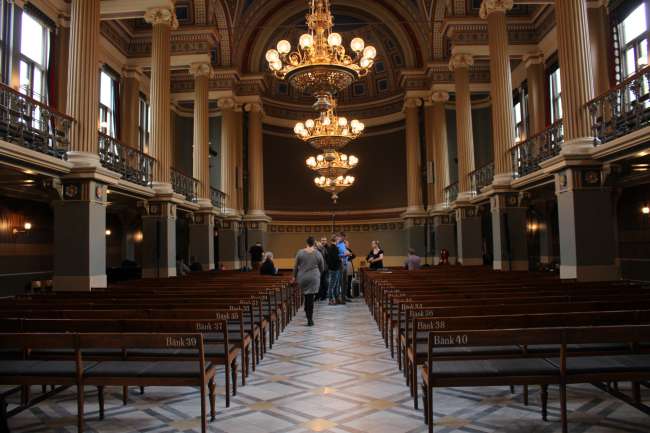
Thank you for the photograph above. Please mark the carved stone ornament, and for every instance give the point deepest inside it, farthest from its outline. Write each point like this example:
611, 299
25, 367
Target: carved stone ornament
461, 60
490, 6
161, 16
201, 69
226, 103
440, 96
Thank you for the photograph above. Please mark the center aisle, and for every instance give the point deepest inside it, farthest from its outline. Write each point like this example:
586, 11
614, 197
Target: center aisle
336, 376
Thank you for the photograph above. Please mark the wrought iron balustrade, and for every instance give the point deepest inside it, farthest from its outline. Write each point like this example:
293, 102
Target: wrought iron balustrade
134, 165
481, 177
184, 184
218, 199
450, 194
622, 109
33, 124
527, 155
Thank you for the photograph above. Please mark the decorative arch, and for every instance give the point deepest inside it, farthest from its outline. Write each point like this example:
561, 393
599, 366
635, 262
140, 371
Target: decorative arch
224, 29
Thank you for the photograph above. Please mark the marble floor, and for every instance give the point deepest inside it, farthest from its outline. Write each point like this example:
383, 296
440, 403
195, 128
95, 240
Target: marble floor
335, 377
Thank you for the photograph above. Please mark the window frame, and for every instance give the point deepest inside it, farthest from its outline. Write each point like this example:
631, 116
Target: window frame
32, 65
633, 45
144, 123
555, 97
107, 114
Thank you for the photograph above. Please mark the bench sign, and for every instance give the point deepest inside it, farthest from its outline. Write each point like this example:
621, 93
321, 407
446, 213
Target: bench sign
209, 326
181, 342
450, 340
433, 325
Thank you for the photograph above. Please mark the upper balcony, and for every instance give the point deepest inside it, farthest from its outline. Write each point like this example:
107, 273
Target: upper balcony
32, 124
134, 165
481, 177
184, 184
527, 155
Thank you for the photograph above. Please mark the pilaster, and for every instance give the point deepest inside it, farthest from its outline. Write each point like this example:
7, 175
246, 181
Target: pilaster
444, 229
255, 163
469, 235
159, 239
509, 236
413, 183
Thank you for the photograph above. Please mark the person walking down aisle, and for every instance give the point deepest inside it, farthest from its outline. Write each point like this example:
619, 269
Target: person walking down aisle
333, 271
344, 255
306, 272
375, 256
324, 279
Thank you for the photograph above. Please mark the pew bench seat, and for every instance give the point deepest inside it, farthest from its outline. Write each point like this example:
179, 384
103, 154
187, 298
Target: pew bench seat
41, 369
606, 364
117, 372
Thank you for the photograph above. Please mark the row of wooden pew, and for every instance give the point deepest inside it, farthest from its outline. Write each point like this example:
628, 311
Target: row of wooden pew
172, 332
478, 327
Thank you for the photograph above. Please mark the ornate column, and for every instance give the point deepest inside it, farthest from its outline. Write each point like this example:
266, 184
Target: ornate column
83, 81
430, 154
231, 224
508, 217
503, 128
160, 143
586, 206
443, 224
536, 92
468, 223
575, 73
415, 215
460, 64
130, 108
80, 214
256, 219
159, 225
202, 228
62, 59
598, 39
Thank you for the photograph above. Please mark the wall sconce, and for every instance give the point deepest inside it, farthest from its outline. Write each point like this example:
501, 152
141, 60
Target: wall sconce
108, 232
137, 236
25, 228
645, 210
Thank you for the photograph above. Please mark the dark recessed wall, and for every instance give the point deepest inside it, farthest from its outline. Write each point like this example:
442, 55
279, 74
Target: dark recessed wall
634, 233
380, 177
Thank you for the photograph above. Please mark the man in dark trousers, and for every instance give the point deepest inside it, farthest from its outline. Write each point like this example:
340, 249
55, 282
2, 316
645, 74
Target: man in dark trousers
256, 252
324, 281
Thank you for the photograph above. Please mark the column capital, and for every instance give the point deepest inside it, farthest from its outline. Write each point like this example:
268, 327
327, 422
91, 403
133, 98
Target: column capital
201, 69
440, 96
163, 16
412, 102
226, 103
461, 60
533, 59
490, 6
253, 107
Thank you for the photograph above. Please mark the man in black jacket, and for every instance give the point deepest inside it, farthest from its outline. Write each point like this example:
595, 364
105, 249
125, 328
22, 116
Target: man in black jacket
322, 248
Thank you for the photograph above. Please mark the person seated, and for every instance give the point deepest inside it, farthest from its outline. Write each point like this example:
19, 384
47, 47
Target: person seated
268, 267
181, 268
195, 266
413, 261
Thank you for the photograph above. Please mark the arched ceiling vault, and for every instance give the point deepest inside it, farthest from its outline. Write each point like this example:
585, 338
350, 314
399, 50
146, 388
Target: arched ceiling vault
265, 25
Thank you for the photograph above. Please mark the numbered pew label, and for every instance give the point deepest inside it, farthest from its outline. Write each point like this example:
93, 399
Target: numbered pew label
450, 340
422, 313
433, 325
234, 315
209, 326
181, 342
411, 306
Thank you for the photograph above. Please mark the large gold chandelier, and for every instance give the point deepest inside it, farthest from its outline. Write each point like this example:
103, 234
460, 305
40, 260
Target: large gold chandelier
328, 131
320, 63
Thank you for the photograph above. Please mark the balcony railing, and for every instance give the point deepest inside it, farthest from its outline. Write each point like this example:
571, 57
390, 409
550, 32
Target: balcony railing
32, 124
184, 184
623, 109
133, 165
527, 155
481, 177
218, 199
451, 194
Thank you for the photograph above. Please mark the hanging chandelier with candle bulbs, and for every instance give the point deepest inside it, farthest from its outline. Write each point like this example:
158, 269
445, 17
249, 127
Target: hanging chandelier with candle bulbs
328, 131
334, 185
320, 63
331, 168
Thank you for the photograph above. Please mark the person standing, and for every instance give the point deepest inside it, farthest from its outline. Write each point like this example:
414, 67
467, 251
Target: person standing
306, 272
256, 252
413, 261
334, 265
344, 255
375, 256
324, 281
349, 271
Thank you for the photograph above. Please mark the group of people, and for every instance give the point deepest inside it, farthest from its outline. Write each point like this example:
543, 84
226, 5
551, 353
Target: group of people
324, 270
262, 261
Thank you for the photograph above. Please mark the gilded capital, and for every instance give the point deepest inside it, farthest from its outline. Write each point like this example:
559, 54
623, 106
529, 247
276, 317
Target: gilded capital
412, 102
533, 59
163, 16
226, 103
460, 60
201, 69
440, 96
490, 6
253, 107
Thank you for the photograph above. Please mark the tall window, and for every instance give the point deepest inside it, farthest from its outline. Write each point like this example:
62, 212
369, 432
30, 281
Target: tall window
34, 50
633, 37
520, 113
144, 122
107, 104
555, 95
